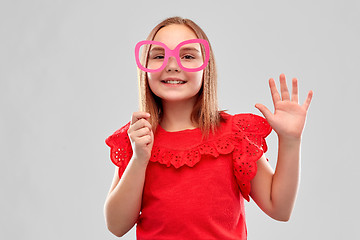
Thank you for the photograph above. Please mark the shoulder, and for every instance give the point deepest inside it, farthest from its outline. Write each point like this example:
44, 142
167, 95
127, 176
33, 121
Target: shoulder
120, 147
246, 122
118, 137
248, 132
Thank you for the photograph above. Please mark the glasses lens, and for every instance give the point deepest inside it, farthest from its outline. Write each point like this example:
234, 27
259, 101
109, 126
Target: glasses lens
192, 55
155, 58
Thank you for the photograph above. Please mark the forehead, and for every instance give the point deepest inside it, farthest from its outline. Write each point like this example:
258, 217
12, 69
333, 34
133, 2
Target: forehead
174, 34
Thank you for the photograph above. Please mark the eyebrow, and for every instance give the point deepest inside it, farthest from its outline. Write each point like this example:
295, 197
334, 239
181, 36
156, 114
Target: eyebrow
189, 48
157, 49
182, 49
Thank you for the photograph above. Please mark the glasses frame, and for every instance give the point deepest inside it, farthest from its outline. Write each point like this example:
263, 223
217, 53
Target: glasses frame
173, 53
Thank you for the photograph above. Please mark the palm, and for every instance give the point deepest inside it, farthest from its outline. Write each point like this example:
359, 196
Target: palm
289, 117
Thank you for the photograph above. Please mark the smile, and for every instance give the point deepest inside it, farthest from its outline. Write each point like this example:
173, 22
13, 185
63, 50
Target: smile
173, 81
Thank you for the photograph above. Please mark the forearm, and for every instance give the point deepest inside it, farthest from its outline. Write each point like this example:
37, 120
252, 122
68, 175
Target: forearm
286, 178
123, 204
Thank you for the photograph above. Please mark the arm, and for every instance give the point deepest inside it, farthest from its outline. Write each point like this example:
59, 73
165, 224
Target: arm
123, 203
275, 192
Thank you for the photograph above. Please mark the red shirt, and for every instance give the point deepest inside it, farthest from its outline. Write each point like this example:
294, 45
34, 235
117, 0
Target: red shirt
195, 188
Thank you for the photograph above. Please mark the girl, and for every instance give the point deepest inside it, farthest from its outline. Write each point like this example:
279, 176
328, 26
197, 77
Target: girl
184, 168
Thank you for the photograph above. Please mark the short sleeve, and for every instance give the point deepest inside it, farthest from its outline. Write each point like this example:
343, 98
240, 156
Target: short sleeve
120, 148
250, 132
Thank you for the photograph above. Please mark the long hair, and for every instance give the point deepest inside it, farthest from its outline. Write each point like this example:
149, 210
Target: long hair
205, 112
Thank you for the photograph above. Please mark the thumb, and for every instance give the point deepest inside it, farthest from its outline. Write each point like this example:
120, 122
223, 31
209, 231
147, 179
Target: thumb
152, 138
264, 110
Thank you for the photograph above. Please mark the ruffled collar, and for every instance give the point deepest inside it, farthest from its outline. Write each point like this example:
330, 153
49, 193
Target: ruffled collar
182, 139
186, 147
243, 135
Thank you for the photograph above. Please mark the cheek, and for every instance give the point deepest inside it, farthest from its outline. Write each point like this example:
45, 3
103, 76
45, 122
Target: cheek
198, 79
152, 78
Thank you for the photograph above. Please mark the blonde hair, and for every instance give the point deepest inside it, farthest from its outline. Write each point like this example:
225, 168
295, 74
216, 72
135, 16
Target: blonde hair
205, 112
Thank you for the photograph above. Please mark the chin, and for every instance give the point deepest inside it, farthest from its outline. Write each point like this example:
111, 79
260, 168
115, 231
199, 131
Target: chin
176, 97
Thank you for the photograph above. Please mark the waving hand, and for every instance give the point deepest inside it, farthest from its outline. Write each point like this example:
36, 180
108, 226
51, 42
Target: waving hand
289, 117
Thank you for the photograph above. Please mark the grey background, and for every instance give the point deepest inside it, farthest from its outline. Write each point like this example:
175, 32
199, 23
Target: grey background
68, 80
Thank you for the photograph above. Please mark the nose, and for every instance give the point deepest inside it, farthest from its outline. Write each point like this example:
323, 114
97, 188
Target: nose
172, 65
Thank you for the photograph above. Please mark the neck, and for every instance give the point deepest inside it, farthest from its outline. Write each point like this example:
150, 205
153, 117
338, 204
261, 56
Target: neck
177, 115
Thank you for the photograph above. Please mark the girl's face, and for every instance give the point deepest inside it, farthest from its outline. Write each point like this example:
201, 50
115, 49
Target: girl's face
165, 84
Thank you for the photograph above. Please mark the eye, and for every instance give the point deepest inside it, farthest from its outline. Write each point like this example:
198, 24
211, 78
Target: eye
188, 57
159, 57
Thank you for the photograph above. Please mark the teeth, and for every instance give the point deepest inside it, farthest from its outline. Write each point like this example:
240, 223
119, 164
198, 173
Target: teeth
174, 82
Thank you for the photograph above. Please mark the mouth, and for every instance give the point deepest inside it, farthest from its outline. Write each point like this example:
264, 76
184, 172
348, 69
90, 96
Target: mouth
173, 81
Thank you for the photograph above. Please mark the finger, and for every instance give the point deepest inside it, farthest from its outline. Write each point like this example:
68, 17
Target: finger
151, 137
264, 110
295, 91
308, 100
144, 140
274, 92
141, 123
139, 115
283, 88
140, 133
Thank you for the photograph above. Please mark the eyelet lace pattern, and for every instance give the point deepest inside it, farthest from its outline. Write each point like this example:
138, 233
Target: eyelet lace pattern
245, 140
249, 132
120, 148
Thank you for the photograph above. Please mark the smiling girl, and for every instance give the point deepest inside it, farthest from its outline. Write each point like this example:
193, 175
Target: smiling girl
184, 168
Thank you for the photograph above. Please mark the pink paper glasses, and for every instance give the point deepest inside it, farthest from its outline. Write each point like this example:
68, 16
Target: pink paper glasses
191, 55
